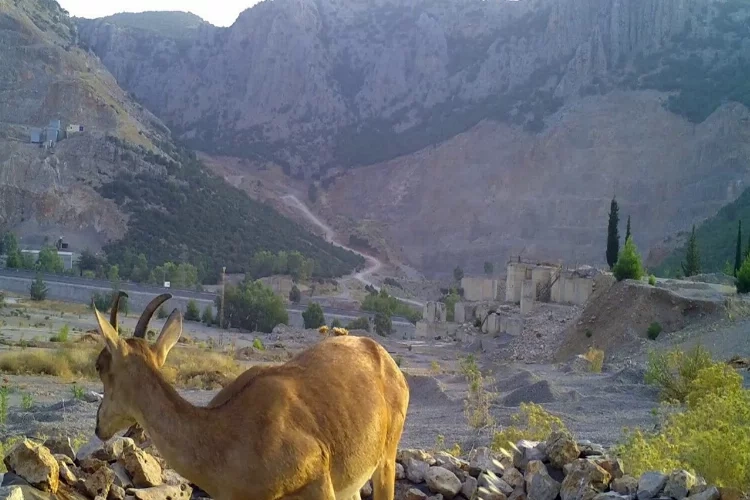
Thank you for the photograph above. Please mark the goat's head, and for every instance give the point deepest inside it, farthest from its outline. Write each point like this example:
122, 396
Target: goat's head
121, 360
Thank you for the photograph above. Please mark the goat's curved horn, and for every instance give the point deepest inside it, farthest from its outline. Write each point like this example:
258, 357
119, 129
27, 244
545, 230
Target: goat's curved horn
116, 308
140, 328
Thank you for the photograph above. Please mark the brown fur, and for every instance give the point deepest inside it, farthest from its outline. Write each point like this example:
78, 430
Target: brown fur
319, 424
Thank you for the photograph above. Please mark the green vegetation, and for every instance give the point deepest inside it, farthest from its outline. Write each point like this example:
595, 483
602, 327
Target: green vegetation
193, 216
293, 263
295, 295
652, 280
362, 323
192, 311
738, 249
450, 304
654, 329
743, 277
627, 230
704, 431
208, 315
613, 235
336, 323
383, 324
692, 264
175, 25
38, 290
458, 274
313, 316
629, 264
532, 422
252, 306
381, 302
477, 403
62, 336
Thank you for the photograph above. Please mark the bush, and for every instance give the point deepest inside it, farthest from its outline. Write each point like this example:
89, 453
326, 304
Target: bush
362, 323
532, 422
38, 290
654, 329
709, 438
252, 306
336, 323
383, 324
192, 311
208, 315
652, 280
596, 358
673, 371
313, 316
381, 302
628, 264
62, 335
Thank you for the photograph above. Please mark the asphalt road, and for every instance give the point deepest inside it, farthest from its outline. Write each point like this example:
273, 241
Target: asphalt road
176, 292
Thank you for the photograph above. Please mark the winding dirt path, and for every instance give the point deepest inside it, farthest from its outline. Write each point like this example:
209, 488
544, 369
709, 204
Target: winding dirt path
373, 264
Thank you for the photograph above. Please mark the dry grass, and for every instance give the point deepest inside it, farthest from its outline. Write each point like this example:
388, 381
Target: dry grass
596, 358
185, 367
46, 306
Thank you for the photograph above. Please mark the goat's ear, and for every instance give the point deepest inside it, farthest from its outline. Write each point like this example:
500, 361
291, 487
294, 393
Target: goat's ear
109, 335
168, 337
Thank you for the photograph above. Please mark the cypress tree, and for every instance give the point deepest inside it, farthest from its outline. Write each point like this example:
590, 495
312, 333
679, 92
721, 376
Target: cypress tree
627, 230
692, 264
613, 235
738, 252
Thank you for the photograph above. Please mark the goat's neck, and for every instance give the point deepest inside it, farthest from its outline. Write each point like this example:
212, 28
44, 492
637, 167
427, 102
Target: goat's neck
179, 430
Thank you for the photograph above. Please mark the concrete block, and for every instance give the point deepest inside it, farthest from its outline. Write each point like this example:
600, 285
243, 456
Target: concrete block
528, 297
516, 274
459, 312
421, 330
434, 312
513, 325
477, 289
492, 326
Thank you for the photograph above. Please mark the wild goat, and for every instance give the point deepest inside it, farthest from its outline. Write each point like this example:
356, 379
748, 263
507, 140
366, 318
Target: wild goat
316, 427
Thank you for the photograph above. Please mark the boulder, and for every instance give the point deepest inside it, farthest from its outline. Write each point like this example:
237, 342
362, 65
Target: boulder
584, 481
35, 464
562, 449
441, 480
144, 470
679, 484
539, 484
650, 484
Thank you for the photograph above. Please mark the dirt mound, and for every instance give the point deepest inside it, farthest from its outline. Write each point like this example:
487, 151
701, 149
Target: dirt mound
629, 375
539, 392
426, 391
621, 314
523, 378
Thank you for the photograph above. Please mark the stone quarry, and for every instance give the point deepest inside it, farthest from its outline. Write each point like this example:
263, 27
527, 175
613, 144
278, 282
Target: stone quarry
492, 305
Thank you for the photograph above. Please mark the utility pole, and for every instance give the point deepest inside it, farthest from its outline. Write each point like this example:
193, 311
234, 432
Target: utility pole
221, 321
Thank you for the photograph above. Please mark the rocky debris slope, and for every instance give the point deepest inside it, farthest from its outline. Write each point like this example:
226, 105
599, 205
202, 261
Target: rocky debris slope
560, 468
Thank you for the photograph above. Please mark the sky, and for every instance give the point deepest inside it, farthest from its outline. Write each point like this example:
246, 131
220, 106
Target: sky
217, 12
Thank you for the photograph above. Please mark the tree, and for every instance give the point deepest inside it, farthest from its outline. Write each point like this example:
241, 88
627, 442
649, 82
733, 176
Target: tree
253, 306
738, 251
458, 274
489, 268
313, 316
628, 265
450, 304
295, 295
336, 323
361, 323
613, 234
692, 264
192, 311
208, 315
38, 290
87, 261
49, 260
743, 277
627, 230
383, 324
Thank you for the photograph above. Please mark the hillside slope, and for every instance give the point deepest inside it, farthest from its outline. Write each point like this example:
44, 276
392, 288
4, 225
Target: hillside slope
121, 184
320, 86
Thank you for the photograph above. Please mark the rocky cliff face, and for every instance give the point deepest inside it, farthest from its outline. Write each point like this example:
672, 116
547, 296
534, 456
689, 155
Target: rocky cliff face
493, 126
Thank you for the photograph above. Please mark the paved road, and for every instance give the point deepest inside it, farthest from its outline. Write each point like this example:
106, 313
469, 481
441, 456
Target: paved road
176, 292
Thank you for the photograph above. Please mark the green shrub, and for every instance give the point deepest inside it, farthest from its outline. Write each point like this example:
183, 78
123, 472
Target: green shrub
313, 316
336, 323
258, 344
192, 311
383, 324
743, 277
629, 265
710, 437
652, 280
162, 313
62, 335
654, 329
362, 323
38, 289
673, 371
208, 315
532, 422
295, 295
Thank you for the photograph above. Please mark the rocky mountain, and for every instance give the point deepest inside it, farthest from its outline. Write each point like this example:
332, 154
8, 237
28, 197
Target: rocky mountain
119, 182
494, 127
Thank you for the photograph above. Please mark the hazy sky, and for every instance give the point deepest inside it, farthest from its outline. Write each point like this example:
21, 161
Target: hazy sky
218, 12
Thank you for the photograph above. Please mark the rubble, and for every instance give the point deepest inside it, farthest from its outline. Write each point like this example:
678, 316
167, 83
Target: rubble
558, 468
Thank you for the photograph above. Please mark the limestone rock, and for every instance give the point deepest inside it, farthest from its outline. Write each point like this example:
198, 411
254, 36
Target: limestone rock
16, 492
710, 493
142, 468
60, 446
169, 476
513, 477
486, 480
469, 488
539, 484
455, 465
678, 484
122, 478
441, 480
400, 472
366, 490
584, 481
561, 449
421, 455
415, 494
518, 494
116, 493
116, 448
611, 495
589, 449
625, 485
99, 483
650, 484
35, 464
94, 444
66, 474
161, 492
91, 464
527, 451
482, 459
416, 470
612, 465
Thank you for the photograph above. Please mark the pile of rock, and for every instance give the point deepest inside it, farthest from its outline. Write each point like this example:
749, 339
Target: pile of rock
560, 468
